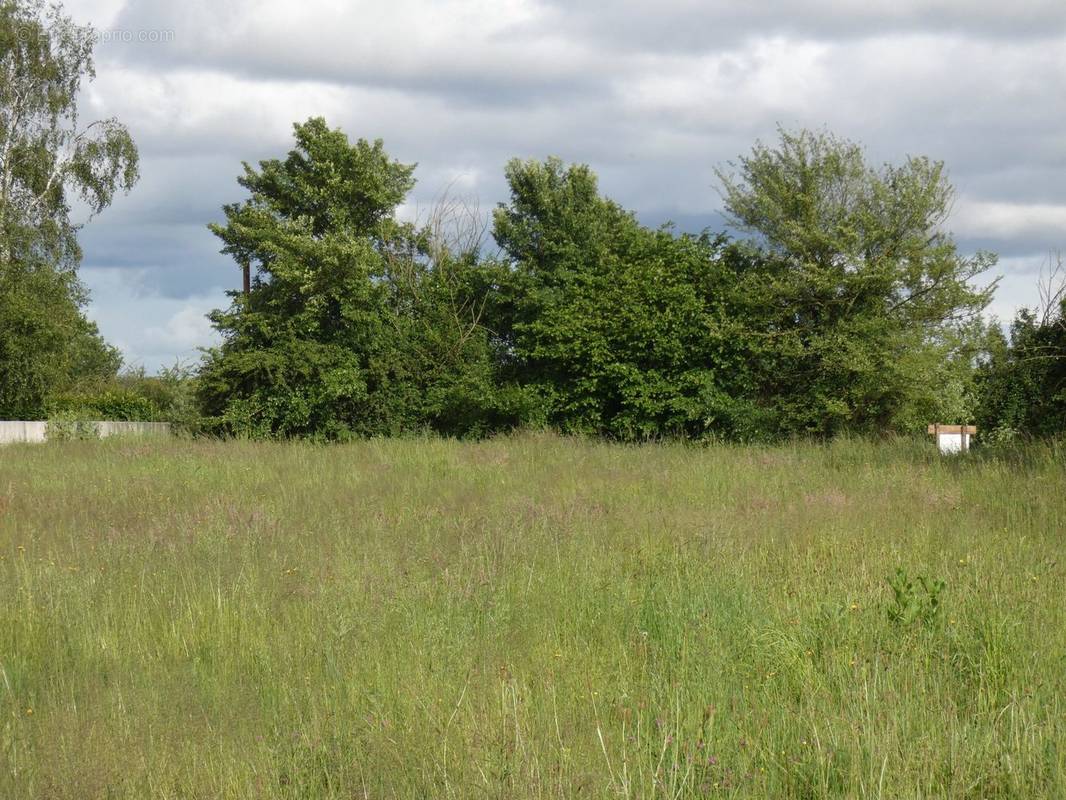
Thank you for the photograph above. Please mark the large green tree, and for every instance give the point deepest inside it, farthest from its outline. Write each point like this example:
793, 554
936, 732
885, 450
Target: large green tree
355, 323
857, 308
46, 344
49, 161
615, 328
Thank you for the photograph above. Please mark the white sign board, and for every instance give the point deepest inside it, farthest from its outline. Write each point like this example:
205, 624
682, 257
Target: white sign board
952, 439
950, 443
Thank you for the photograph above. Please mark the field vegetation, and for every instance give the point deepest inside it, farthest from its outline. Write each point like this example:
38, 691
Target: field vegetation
531, 616
772, 604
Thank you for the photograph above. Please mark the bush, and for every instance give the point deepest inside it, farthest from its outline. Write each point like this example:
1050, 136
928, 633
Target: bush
113, 404
1022, 381
67, 426
172, 393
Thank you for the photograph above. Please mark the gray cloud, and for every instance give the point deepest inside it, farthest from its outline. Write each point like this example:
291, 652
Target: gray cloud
693, 25
653, 96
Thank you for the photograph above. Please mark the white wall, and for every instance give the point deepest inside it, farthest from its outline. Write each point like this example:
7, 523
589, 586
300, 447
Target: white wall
19, 431
11, 432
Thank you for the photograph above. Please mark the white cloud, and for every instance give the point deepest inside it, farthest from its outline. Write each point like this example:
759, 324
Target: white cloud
991, 219
478, 44
98, 13
199, 112
780, 78
653, 96
695, 25
151, 330
1019, 281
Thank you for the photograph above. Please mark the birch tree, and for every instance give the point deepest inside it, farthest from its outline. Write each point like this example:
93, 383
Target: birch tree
51, 163
48, 158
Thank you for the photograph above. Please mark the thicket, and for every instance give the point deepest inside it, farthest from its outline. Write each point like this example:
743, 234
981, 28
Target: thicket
134, 396
837, 303
1021, 378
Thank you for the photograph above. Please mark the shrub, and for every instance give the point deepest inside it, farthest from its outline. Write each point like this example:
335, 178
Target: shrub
112, 404
67, 426
916, 601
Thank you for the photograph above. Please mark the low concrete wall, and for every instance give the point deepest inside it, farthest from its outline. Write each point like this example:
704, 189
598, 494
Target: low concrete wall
18, 431
11, 432
105, 429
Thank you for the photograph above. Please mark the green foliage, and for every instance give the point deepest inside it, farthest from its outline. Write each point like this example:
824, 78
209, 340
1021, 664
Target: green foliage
171, 392
71, 426
853, 308
615, 328
1022, 379
46, 162
914, 601
356, 324
46, 158
310, 350
112, 404
439, 304
134, 396
47, 345
849, 311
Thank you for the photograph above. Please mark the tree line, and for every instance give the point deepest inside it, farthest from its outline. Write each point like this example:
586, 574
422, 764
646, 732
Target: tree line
837, 301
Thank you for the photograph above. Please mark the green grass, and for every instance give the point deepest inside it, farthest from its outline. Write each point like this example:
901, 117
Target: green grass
529, 617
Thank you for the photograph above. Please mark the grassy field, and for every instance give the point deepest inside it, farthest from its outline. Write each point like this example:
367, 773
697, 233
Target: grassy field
530, 617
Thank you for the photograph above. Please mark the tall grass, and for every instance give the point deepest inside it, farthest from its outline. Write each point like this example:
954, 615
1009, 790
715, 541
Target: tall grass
529, 617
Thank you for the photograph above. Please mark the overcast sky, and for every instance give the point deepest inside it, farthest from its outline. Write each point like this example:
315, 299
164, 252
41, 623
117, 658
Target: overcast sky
653, 95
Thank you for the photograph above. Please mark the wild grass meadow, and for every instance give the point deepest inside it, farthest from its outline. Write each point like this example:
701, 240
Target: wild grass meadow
530, 617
